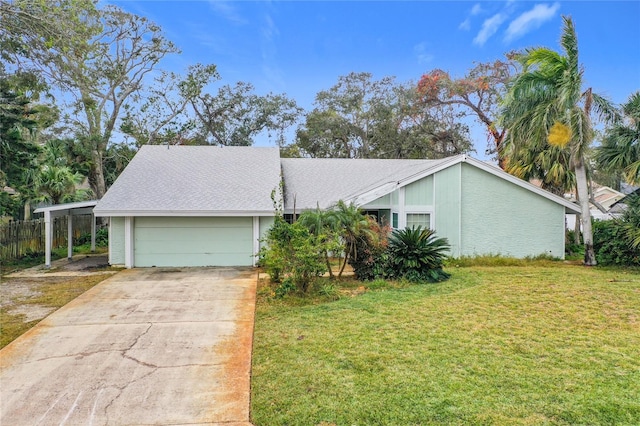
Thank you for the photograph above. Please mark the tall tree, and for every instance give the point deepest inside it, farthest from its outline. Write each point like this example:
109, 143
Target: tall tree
97, 58
364, 118
165, 116
477, 93
547, 104
235, 115
22, 116
620, 149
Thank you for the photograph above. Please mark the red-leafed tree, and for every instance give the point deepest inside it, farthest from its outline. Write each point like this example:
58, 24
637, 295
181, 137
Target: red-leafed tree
478, 93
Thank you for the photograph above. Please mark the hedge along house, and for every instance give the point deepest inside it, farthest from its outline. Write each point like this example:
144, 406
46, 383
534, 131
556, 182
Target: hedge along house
209, 206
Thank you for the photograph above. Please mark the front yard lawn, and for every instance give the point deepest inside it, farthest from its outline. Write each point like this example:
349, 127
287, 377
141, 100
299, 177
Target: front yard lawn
536, 344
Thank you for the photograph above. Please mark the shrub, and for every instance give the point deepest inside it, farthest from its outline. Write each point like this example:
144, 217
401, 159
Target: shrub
617, 242
292, 256
102, 238
611, 245
417, 255
369, 260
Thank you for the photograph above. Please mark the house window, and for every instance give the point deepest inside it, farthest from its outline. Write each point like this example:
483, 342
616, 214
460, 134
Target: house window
394, 220
418, 219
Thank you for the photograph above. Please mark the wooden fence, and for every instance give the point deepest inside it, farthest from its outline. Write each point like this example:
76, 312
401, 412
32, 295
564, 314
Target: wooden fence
22, 237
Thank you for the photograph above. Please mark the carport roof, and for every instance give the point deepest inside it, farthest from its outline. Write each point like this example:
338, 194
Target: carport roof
194, 181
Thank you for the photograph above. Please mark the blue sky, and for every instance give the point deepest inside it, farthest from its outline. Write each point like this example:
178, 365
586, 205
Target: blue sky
302, 47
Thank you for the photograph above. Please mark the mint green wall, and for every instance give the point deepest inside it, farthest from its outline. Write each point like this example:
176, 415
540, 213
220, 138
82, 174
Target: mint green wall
116, 241
447, 206
193, 241
265, 224
419, 193
383, 201
499, 217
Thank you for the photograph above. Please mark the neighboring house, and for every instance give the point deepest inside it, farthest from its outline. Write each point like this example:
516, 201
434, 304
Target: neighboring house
606, 197
203, 205
620, 205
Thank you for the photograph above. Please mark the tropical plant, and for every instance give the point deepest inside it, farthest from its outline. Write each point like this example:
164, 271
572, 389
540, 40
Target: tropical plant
620, 149
546, 103
370, 255
323, 225
351, 225
417, 254
57, 183
631, 221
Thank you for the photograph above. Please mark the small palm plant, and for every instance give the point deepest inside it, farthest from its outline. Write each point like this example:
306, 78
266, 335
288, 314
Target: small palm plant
417, 254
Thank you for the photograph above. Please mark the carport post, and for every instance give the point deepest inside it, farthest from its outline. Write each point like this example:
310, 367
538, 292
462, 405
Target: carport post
93, 232
70, 235
47, 238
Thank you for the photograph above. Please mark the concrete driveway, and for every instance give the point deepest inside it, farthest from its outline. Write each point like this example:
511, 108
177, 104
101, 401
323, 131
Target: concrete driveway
146, 346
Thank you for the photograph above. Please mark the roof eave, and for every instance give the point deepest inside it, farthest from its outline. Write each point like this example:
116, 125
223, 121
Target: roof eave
387, 188
182, 213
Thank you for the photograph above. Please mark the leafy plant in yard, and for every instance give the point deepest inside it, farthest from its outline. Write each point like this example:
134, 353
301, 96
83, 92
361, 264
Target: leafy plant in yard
351, 225
370, 259
417, 255
102, 238
324, 225
617, 242
293, 254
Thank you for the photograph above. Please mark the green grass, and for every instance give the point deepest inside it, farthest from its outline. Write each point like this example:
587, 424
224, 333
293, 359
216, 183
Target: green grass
544, 343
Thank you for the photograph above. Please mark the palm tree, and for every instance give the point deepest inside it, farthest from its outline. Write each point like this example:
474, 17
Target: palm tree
620, 150
322, 224
57, 183
551, 165
547, 104
351, 224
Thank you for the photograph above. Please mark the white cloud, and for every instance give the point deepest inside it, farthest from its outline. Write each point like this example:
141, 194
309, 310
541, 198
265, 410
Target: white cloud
530, 20
476, 9
465, 25
489, 27
228, 11
422, 54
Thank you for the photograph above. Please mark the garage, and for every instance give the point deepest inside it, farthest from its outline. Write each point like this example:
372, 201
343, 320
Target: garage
193, 241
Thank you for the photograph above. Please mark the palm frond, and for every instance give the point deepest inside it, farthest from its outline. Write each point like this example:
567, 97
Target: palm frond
569, 43
604, 109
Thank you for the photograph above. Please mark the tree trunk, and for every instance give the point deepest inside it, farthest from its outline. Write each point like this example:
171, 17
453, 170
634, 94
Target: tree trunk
100, 186
585, 217
27, 210
576, 225
326, 258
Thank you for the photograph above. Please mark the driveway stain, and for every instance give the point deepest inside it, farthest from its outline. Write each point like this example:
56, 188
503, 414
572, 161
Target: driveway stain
138, 348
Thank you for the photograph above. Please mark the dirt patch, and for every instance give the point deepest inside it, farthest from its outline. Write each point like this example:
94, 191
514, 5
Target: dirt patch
25, 300
86, 264
14, 291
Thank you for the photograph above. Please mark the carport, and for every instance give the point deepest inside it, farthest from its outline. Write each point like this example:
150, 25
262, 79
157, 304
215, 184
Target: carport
69, 210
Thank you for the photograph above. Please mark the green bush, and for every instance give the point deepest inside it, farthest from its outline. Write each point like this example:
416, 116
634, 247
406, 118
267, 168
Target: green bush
611, 245
293, 256
370, 260
102, 238
417, 255
617, 242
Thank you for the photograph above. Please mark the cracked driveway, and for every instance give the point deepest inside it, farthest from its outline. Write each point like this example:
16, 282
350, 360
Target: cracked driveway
146, 346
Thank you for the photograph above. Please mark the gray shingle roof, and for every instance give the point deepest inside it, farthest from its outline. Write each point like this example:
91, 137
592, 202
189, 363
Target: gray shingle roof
324, 181
195, 179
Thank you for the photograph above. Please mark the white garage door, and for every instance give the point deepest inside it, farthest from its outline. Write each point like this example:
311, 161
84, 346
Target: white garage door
193, 241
